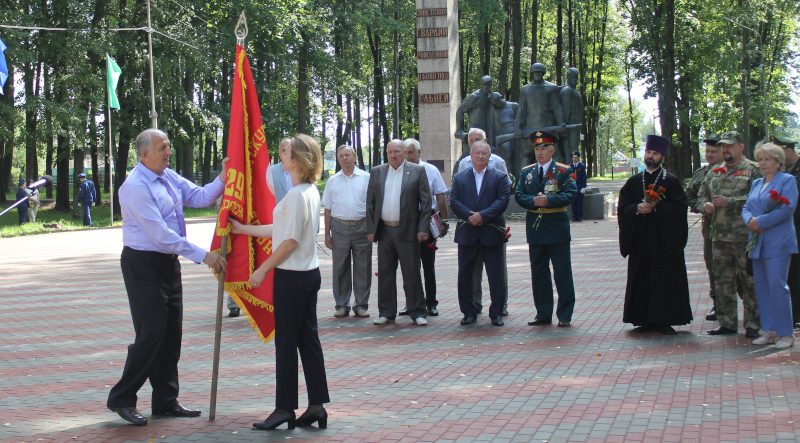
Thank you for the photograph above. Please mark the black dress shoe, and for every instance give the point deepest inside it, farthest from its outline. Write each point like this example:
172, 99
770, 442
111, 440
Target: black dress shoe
308, 418
797, 325
468, 320
131, 415
751, 333
563, 324
234, 312
669, 330
498, 321
539, 322
433, 312
403, 311
180, 410
277, 418
642, 329
712, 316
721, 330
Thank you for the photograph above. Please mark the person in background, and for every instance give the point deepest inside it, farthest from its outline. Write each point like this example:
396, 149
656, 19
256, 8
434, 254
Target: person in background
772, 221
345, 202
33, 197
22, 208
87, 197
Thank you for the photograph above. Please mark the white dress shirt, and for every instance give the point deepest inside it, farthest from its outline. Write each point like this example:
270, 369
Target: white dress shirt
435, 182
296, 217
346, 196
546, 167
495, 161
478, 179
390, 210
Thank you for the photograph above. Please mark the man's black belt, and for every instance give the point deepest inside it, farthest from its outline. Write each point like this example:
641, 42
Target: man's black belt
159, 254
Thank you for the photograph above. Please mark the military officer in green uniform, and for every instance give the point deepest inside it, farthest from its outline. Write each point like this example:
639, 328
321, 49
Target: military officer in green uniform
792, 167
545, 189
724, 193
713, 158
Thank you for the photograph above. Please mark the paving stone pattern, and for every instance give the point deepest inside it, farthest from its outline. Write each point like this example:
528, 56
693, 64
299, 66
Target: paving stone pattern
65, 326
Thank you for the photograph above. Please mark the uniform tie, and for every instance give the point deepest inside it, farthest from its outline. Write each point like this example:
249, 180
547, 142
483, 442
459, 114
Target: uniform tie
181, 219
541, 173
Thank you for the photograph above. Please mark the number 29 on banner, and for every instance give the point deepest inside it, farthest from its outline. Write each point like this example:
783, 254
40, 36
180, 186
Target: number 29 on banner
234, 184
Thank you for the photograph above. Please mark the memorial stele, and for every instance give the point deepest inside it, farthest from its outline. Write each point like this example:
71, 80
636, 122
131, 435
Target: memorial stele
438, 82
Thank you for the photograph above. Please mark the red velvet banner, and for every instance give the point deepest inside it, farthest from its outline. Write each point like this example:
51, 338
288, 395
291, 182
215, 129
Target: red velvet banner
248, 199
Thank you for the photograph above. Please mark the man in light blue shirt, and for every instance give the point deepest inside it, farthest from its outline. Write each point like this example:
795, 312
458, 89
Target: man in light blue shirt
154, 235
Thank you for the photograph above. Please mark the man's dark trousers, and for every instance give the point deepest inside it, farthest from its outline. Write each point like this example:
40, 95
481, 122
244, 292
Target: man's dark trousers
541, 256
428, 258
492, 261
577, 207
393, 248
155, 294
87, 213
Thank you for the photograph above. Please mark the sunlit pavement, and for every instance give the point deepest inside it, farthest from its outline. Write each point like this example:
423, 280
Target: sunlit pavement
66, 325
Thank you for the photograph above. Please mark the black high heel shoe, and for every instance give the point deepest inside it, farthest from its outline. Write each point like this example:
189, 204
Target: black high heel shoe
277, 418
308, 418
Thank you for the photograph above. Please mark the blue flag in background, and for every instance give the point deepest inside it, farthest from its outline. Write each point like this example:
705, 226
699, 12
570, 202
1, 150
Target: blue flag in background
3, 66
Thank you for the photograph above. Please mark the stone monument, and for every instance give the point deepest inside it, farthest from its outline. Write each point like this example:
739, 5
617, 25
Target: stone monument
539, 107
572, 107
438, 82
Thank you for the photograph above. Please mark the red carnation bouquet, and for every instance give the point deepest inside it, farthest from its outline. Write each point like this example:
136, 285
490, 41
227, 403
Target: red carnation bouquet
720, 171
654, 195
775, 201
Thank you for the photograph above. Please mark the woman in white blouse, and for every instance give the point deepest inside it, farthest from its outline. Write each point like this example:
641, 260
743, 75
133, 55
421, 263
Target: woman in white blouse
296, 281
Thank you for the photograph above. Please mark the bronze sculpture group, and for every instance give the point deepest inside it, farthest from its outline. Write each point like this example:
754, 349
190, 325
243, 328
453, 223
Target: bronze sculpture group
543, 106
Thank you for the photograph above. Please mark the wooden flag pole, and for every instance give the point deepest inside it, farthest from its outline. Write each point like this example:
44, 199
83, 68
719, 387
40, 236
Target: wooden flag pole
218, 333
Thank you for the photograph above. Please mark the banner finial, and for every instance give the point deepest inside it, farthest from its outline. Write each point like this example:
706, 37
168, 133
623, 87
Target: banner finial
241, 29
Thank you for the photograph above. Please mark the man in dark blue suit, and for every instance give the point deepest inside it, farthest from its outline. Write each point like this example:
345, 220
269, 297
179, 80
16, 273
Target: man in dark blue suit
479, 195
87, 197
579, 169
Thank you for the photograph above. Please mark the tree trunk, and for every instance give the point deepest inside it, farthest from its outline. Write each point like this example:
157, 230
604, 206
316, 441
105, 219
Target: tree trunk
534, 30
379, 101
31, 120
48, 133
559, 42
358, 146
302, 84
7, 143
503, 74
516, 32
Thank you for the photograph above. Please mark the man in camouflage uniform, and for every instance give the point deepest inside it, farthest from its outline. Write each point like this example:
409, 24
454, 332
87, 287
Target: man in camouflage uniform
724, 194
792, 167
713, 157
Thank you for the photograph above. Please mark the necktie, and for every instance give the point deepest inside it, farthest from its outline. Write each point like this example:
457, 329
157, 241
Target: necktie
179, 214
541, 173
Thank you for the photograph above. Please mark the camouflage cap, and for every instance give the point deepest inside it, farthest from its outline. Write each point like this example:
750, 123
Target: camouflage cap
711, 139
783, 142
730, 137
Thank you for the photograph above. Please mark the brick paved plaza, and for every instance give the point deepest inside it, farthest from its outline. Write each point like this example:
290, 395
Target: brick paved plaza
66, 325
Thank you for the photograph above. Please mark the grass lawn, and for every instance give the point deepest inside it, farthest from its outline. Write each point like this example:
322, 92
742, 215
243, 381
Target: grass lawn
60, 221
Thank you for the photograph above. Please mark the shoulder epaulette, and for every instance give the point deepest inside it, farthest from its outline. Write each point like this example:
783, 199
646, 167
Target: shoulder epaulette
532, 164
562, 165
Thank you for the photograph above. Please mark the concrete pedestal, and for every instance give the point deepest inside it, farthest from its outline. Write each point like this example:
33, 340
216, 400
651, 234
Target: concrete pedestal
438, 83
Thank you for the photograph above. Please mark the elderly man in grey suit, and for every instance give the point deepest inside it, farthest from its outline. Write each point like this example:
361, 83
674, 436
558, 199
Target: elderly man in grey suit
398, 218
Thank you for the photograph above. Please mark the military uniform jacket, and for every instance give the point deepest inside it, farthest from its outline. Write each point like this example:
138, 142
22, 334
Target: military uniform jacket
735, 185
693, 188
795, 171
554, 226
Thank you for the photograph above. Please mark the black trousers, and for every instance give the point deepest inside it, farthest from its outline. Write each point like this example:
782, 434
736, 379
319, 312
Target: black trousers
428, 258
493, 262
295, 302
794, 286
155, 294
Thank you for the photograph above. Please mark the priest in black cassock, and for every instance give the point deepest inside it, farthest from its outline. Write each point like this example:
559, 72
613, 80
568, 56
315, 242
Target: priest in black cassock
653, 236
